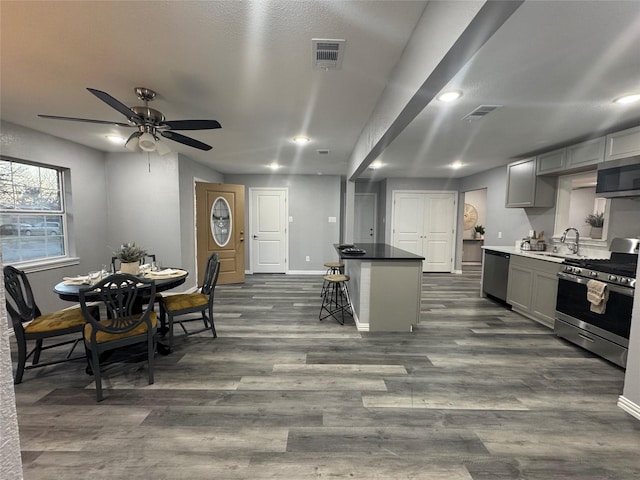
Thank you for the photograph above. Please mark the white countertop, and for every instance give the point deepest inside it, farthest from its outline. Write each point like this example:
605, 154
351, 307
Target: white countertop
543, 255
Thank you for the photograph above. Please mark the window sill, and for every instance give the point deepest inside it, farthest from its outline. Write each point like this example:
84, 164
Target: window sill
41, 265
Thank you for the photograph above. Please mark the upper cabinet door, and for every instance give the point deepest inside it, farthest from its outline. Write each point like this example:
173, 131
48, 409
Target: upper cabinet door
586, 153
526, 189
550, 162
623, 144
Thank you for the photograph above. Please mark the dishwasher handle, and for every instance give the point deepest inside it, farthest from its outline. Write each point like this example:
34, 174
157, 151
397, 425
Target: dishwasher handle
498, 254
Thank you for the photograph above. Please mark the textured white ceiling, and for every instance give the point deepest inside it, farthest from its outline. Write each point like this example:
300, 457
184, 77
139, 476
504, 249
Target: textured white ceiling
554, 66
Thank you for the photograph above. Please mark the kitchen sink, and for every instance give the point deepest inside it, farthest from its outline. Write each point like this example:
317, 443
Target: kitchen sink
557, 254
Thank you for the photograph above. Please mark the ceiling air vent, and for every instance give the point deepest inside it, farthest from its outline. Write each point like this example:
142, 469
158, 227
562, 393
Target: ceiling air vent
327, 54
323, 151
481, 112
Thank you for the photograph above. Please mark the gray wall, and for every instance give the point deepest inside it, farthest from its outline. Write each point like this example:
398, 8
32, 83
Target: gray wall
143, 204
190, 172
312, 199
88, 213
514, 223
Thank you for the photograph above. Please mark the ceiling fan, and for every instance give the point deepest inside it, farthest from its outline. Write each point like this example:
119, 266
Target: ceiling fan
149, 122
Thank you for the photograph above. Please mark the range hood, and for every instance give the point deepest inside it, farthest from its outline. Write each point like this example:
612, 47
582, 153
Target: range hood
619, 178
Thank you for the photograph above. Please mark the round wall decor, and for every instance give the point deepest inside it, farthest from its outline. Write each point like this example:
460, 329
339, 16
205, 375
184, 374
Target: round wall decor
470, 216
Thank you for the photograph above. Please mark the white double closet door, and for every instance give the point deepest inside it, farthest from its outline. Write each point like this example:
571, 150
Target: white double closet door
424, 223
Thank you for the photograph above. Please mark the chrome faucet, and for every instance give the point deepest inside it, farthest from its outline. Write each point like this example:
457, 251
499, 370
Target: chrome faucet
573, 247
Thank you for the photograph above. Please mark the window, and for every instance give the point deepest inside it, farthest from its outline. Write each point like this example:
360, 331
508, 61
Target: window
32, 212
577, 199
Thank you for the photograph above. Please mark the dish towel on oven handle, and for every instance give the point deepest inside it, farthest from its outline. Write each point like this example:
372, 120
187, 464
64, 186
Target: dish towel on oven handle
597, 295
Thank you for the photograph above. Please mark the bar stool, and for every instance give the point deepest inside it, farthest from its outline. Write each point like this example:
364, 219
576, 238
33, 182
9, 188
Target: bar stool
336, 297
333, 268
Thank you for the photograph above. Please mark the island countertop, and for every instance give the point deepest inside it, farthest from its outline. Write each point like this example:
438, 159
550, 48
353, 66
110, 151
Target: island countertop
378, 251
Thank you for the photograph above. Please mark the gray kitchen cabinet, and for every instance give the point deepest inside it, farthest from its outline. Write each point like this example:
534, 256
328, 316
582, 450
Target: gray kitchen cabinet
551, 162
590, 152
520, 286
623, 144
532, 289
525, 188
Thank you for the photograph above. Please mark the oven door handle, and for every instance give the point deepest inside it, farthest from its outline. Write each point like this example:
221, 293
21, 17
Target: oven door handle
628, 291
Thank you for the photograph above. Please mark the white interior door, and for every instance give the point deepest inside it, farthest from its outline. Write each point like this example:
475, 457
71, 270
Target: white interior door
424, 223
438, 232
365, 218
268, 215
408, 215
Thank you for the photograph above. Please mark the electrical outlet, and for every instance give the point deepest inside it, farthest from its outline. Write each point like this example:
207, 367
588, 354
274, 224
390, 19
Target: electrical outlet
308, 259
499, 234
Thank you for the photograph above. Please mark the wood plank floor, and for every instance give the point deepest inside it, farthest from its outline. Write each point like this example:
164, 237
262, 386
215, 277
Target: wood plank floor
475, 392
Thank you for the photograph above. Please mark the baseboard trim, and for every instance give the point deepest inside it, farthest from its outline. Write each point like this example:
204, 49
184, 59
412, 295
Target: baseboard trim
361, 327
628, 406
307, 272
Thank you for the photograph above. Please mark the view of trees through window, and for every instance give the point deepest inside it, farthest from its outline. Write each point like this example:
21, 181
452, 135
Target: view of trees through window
31, 212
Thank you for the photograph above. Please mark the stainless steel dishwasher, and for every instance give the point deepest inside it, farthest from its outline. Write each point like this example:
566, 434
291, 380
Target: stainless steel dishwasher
495, 274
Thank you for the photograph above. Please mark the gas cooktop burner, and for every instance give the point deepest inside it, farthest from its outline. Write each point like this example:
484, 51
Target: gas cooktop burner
604, 265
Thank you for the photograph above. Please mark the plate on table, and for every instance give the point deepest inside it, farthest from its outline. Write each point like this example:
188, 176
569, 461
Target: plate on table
342, 246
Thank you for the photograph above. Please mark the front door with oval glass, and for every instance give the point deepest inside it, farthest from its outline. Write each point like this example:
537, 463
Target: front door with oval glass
220, 229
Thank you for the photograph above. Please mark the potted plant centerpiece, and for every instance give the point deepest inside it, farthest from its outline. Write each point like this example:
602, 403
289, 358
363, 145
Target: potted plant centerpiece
478, 231
596, 220
130, 255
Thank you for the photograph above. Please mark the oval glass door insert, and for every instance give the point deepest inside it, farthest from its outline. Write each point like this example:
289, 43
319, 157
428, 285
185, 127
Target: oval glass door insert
221, 223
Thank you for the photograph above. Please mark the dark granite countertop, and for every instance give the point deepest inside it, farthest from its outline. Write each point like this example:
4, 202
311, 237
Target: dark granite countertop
378, 251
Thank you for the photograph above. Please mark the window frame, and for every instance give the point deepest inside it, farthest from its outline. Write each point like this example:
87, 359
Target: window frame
50, 262
563, 202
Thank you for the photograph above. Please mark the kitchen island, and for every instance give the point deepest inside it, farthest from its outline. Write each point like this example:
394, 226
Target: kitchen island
385, 286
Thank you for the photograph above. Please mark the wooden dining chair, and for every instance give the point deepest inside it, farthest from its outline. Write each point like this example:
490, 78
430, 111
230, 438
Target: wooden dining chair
175, 306
30, 324
124, 324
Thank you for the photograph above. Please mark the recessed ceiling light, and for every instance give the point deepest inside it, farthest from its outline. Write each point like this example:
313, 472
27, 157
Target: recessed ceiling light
457, 164
450, 96
376, 165
627, 98
116, 139
274, 166
301, 139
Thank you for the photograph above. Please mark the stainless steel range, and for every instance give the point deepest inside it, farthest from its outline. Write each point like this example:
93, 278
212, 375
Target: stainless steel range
603, 330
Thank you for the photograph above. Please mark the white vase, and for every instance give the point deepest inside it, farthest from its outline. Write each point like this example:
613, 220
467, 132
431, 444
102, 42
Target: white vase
596, 232
132, 268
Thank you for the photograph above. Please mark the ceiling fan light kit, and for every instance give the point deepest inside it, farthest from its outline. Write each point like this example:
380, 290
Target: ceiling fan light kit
149, 122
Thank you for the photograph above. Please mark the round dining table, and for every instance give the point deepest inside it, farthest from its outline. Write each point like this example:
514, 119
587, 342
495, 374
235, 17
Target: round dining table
71, 292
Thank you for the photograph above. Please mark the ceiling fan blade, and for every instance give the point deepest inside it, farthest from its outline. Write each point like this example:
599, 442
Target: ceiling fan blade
192, 124
88, 120
113, 103
176, 137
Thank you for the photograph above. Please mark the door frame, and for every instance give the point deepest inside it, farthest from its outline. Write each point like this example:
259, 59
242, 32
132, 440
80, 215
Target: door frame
455, 195
375, 213
250, 229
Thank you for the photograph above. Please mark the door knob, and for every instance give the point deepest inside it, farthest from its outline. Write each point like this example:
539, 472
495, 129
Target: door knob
255, 236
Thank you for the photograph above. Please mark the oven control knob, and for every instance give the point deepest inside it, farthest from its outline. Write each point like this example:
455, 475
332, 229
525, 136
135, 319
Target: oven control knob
593, 274
624, 280
613, 278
